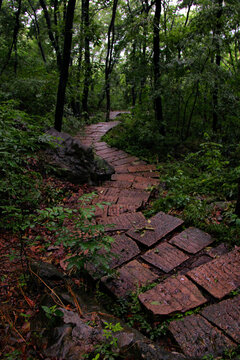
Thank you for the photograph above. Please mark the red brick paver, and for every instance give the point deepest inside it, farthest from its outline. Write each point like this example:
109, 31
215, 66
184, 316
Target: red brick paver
174, 294
197, 337
129, 278
192, 240
226, 315
165, 257
219, 276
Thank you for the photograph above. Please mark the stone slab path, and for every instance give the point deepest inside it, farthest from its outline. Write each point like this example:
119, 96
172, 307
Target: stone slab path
188, 270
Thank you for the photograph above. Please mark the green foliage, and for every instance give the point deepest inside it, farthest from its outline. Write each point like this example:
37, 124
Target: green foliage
108, 349
85, 242
20, 185
52, 311
195, 184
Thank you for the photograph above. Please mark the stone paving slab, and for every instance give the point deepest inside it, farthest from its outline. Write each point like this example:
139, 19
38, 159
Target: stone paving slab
197, 337
145, 180
130, 277
123, 221
141, 168
155, 229
121, 169
108, 195
165, 257
128, 196
123, 177
124, 248
124, 161
118, 184
115, 209
225, 315
192, 240
219, 276
172, 295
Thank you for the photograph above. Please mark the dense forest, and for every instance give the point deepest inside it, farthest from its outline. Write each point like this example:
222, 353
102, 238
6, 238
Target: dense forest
174, 66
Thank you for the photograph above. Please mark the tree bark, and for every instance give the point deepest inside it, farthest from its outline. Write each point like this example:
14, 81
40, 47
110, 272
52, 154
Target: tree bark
37, 30
65, 65
215, 123
237, 208
87, 74
109, 58
156, 69
14, 41
53, 40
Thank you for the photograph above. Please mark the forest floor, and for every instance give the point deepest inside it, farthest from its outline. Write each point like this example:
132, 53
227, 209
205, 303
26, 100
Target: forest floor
191, 275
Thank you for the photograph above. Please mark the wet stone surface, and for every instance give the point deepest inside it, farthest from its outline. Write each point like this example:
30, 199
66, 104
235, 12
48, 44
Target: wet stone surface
201, 270
154, 229
165, 257
197, 337
124, 248
192, 240
123, 221
174, 294
129, 278
225, 315
219, 276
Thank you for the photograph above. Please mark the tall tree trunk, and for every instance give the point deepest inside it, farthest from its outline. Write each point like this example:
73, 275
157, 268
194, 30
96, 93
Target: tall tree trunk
14, 41
156, 69
52, 38
65, 65
109, 58
37, 31
215, 123
237, 208
87, 74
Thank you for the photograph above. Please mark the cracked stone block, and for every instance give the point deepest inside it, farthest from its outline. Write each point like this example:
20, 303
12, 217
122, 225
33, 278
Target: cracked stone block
219, 276
165, 257
225, 315
129, 278
172, 295
192, 240
154, 229
197, 337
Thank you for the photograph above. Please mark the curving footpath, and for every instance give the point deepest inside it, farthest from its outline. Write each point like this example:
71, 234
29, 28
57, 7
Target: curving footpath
189, 270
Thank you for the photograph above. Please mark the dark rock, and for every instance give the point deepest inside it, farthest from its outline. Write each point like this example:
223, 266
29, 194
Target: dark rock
148, 351
46, 271
75, 162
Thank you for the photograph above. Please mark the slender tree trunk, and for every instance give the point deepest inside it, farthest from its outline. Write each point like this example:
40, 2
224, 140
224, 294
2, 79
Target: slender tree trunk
87, 75
156, 69
215, 123
1, 4
65, 65
237, 208
37, 30
109, 58
53, 40
14, 41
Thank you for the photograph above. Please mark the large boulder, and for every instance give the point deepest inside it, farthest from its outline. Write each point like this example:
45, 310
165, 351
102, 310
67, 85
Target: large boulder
75, 162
